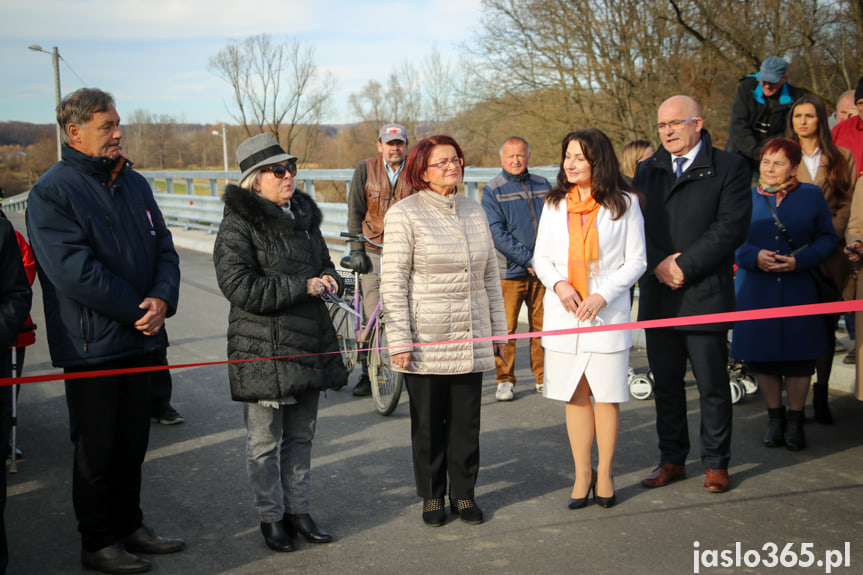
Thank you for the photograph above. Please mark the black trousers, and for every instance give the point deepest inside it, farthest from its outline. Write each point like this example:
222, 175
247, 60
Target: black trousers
112, 421
5, 421
667, 352
161, 385
445, 432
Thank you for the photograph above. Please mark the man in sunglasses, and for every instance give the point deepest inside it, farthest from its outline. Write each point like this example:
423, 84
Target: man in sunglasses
375, 187
760, 109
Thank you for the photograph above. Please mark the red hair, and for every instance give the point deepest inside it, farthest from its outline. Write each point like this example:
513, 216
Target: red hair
418, 159
789, 147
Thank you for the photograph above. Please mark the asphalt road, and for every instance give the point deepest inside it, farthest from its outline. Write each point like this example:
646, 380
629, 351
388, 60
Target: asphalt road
195, 484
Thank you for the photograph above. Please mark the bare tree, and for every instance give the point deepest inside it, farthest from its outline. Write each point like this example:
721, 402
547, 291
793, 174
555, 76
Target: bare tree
820, 38
439, 84
566, 64
369, 104
161, 133
276, 88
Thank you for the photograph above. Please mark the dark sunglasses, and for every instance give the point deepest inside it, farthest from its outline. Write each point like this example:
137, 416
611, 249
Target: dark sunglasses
281, 170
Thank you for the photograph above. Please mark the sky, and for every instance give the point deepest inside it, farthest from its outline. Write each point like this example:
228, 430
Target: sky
153, 54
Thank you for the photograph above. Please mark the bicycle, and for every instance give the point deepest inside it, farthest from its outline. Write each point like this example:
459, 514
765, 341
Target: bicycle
347, 318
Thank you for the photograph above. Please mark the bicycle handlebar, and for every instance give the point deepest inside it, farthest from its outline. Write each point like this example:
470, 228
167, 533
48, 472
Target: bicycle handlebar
359, 238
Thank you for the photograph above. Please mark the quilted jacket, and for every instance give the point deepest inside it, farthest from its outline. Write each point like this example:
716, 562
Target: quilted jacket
263, 258
440, 282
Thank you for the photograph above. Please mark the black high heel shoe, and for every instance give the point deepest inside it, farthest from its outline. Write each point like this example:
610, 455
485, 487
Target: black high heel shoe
305, 526
578, 503
605, 502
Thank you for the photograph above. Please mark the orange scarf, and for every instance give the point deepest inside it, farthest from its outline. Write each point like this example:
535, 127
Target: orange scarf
583, 240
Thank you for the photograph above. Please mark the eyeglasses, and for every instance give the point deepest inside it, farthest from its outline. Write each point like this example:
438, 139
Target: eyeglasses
443, 165
281, 170
673, 124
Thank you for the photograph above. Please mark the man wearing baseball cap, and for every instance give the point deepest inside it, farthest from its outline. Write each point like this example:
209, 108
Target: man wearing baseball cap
375, 187
760, 110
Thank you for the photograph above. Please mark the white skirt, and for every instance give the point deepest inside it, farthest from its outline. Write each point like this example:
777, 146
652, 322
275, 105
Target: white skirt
606, 373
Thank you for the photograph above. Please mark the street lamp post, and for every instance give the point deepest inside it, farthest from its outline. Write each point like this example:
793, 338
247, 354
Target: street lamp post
224, 143
55, 57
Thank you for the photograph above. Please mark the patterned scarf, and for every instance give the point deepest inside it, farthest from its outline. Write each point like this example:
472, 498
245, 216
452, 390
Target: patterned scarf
583, 240
779, 191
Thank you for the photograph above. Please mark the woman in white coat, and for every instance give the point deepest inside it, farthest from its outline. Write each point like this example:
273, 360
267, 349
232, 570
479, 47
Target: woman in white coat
589, 252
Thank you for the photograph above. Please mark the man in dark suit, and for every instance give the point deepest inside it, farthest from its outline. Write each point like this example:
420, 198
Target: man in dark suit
697, 211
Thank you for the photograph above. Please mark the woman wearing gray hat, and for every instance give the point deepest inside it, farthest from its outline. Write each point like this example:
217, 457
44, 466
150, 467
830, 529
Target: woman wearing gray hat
273, 266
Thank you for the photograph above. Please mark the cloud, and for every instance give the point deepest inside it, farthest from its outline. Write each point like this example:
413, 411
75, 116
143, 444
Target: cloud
154, 54
441, 20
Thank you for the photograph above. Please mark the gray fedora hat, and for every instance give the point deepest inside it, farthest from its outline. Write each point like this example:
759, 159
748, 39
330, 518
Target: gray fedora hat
258, 151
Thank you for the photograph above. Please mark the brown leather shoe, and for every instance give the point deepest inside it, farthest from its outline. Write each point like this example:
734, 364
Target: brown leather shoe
664, 474
145, 540
716, 480
113, 559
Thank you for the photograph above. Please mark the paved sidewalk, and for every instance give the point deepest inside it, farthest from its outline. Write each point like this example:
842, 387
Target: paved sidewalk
195, 483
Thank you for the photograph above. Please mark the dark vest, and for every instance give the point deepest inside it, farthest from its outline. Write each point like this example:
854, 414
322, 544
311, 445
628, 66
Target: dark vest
379, 197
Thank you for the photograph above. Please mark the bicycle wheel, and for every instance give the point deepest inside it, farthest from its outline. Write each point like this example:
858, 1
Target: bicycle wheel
386, 383
346, 333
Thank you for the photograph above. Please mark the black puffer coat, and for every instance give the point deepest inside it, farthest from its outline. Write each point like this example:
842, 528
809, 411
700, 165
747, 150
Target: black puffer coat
263, 258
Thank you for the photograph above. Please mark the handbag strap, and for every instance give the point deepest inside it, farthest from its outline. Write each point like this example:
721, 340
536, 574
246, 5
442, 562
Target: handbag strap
779, 223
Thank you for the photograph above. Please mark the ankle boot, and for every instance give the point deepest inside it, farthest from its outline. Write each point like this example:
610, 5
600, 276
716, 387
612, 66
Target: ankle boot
775, 435
276, 537
795, 440
819, 402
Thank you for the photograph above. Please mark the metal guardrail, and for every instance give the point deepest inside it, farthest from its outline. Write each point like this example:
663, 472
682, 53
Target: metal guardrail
200, 207
17, 203
207, 182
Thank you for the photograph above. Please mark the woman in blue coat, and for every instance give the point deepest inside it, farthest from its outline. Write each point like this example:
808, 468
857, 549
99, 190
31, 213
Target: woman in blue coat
774, 270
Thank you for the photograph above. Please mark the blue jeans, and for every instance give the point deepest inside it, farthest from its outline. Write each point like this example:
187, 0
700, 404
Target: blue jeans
279, 455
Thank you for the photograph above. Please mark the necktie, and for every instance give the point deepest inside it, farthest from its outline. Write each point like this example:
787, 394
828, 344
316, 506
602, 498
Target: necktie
678, 166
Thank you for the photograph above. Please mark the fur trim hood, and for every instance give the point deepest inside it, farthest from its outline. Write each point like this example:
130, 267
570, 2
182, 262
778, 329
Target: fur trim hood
269, 218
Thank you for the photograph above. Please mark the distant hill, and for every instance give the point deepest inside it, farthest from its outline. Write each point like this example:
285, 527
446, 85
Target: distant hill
24, 133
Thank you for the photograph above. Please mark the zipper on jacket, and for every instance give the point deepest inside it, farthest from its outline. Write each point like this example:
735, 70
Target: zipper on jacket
85, 325
113, 235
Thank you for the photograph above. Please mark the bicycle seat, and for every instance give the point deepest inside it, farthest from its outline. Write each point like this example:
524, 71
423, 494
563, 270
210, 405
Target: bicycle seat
356, 261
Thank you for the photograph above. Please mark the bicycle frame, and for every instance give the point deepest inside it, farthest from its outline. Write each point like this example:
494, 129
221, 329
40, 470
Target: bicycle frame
386, 385
368, 332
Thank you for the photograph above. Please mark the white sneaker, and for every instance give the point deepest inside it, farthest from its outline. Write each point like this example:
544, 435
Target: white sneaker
504, 391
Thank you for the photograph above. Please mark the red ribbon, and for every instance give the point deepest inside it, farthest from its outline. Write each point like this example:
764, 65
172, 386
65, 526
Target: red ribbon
727, 317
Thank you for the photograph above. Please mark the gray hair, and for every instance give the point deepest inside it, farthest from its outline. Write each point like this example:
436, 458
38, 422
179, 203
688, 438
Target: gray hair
512, 140
79, 106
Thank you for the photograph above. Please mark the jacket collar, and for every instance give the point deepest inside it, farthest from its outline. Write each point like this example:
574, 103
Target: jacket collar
436, 200
662, 158
758, 92
99, 167
522, 177
270, 218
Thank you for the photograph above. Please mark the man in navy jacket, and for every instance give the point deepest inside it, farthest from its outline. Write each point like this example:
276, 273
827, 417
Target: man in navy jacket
109, 276
513, 202
696, 213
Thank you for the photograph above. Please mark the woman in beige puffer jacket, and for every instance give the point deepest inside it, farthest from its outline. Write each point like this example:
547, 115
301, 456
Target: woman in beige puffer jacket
440, 282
